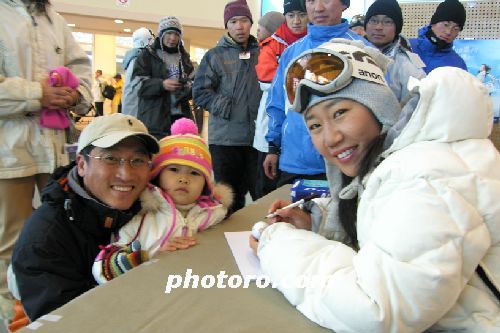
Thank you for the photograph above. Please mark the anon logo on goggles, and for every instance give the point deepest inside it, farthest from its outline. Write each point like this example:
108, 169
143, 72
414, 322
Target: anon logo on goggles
327, 69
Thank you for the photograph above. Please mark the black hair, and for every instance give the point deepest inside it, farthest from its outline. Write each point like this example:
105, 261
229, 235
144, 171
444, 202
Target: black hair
86, 151
348, 207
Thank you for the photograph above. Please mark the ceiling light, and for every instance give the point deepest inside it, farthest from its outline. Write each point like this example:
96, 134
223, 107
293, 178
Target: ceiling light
71, 25
118, 21
127, 30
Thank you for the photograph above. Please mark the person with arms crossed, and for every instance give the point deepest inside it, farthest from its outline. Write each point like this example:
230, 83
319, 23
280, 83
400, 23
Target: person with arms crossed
226, 85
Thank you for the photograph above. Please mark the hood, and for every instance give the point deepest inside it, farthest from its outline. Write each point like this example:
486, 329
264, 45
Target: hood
427, 46
129, 56
452, 105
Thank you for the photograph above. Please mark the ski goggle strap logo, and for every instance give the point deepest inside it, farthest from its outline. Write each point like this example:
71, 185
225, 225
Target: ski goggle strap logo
328, 69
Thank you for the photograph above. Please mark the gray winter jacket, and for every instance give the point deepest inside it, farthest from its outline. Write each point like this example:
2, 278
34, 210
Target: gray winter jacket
130, 100
226, 85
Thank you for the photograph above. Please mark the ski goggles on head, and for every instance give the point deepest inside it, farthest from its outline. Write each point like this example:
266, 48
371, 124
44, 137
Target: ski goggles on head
325, 70
316, 72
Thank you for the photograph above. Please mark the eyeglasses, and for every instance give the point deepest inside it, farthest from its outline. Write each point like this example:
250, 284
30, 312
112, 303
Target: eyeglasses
386, 22
455, 28
318, 72
135, 163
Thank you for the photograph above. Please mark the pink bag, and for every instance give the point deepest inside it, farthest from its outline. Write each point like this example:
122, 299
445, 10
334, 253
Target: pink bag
58, 77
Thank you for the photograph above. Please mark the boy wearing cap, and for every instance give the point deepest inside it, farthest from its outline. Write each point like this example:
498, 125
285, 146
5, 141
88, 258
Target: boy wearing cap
288, 138
82, 205
383, 24
271, 49
435, 41
141, 38
165, 73
226, 85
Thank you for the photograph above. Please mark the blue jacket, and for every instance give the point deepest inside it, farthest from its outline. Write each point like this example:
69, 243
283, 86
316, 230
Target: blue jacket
431, 56
287, 128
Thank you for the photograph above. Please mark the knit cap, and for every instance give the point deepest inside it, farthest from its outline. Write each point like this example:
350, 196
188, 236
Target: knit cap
184, 147
236, 8
271, 21
292, 5
357, 21
450, 10
141, 38
169, 23
374, 95
388, 8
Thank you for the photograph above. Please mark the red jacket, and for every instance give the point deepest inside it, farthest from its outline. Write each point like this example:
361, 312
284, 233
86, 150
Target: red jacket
271, 49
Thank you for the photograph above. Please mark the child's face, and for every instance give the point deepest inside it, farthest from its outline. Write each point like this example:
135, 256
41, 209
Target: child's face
183, 183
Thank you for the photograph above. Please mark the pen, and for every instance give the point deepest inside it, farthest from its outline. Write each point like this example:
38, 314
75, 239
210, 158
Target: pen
292, 205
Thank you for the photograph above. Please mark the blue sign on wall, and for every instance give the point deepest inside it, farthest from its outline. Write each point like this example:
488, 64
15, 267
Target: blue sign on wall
477, 53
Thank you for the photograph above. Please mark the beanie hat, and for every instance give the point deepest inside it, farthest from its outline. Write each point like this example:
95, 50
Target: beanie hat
236, 8
357, 21
271, 21
377, 97
388, 8
141, 38
292, 5
346, 3
184, 147
450, 10
169, 23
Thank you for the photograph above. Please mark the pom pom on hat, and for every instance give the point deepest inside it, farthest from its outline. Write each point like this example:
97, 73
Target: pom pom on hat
236, 8
450, 10
184, 126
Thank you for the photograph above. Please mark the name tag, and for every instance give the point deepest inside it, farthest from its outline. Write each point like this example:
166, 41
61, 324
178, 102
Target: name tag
244, 55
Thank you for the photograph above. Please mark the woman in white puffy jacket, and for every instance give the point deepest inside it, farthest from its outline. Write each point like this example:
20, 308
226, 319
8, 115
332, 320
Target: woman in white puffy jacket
410, 240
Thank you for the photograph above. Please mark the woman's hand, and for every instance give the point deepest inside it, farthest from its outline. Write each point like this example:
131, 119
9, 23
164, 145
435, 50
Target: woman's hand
254, 244
295, 216
179, 243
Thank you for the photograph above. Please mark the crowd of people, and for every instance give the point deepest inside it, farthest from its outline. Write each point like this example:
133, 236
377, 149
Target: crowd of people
409, 234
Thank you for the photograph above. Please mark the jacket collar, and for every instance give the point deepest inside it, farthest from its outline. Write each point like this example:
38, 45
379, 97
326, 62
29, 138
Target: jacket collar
86, 212
323, 33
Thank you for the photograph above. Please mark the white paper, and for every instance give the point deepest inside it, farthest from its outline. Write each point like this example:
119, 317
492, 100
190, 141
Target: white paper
248, 263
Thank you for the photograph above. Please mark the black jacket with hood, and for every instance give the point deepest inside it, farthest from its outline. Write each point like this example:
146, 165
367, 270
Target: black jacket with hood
154, 101
53, 257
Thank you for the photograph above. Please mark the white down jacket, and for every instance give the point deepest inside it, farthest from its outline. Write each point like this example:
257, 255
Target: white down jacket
29, 48
429, 214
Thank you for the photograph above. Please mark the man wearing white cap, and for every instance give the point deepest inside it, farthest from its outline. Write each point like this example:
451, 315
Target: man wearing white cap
82, 205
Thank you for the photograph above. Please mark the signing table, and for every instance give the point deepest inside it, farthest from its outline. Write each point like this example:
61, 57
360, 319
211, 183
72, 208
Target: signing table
136, 302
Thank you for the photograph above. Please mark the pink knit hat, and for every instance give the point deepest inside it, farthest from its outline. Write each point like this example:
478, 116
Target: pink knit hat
184, 147
236, 8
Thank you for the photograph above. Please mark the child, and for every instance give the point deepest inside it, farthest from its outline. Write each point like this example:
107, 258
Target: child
185, 202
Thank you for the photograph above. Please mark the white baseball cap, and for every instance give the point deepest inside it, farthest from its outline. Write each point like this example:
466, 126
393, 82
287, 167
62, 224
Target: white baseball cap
107, 131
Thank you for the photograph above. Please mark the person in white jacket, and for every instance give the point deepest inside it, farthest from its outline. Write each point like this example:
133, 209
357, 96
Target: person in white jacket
410, 239
34, 39
185, 202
